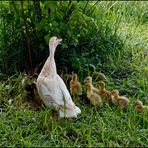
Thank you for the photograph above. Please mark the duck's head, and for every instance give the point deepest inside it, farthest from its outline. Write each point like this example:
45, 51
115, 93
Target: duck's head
74, 76
115, 92
26, 79
88, 80
25, 76
138, 104
88, 86
54, 42
34, 77
101, 84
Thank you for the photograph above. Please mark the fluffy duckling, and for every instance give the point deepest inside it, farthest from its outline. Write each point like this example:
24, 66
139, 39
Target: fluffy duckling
37, 98
121, 101
28, 88
65, 75
105, 94
88, 80
31, 92
75, 85
98, 75
140, 107
94, 98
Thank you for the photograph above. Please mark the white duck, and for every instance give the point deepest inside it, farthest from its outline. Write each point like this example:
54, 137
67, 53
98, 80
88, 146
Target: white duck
52, 88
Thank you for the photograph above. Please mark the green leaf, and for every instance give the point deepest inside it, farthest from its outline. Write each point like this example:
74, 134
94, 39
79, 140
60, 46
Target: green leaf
64, 46
47, 37
51, 4
146, 68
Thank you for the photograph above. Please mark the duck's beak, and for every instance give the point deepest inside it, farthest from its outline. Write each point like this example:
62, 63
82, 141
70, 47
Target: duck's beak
59, 41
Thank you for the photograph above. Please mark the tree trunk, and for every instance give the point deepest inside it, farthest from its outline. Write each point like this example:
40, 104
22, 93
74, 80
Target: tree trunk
27, 38
37, 10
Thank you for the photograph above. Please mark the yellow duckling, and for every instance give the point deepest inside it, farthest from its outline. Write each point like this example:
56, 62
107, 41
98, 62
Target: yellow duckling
105, 94
88, 80
121, 101
92, 92
140, 107
94, 98
75, 85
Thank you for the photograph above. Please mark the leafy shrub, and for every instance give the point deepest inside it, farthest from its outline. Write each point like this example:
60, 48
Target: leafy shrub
88, 29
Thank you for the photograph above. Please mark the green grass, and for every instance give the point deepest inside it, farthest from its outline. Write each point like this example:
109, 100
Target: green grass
100, 127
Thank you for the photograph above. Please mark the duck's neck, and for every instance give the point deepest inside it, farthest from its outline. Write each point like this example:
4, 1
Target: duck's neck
89, 87
74, 78
52, 51
49, 67
116, 96
52, 63
102, 89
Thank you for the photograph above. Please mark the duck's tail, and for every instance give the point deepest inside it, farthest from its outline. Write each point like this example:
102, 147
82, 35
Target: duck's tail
70, 113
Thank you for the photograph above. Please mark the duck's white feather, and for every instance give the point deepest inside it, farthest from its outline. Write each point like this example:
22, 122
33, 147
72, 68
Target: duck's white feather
53, 90
54, 93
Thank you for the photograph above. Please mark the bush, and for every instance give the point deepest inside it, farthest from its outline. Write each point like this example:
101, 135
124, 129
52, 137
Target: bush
88, 29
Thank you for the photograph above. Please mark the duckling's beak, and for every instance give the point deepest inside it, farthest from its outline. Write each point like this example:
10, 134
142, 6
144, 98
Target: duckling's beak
59, 41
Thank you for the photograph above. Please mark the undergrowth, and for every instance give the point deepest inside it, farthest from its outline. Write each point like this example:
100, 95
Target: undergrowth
23, 125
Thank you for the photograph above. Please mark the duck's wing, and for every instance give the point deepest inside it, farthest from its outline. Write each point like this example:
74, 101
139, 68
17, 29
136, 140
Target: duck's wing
64, 91
49, 91
54, 93
72, 109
